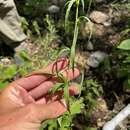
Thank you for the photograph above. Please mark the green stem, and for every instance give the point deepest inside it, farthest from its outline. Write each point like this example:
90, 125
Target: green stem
73, 47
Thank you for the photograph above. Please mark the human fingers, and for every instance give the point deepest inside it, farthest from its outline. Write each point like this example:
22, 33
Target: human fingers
43, 88
36, 78
53, 68
42, 112
73, 90
69, 74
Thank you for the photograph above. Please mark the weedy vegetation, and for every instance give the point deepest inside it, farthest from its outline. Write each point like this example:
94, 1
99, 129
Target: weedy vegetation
43, 30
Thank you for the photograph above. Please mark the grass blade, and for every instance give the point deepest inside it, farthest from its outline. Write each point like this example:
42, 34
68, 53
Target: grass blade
56, 87
82, 2
69, 6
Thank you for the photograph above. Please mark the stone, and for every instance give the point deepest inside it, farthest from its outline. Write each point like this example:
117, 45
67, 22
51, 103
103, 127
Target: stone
6, 61
99, 30
114, 39
107, 23
90, 46
100, 112
81, 59
55, 43
94, 29
99, 17
18, 60
96, 58
53, 9
87, 28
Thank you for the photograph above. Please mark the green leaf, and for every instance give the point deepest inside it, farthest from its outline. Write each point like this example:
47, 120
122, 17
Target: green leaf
24, 55
126, 84
129, 81
64, 51
122, 72
66, 93
82, 2
124, 45
76, 107
62, 78
73, 47
127, 60
95, 91
56, 87
70, 4
36, 27
10, 71
3, 84
65, 122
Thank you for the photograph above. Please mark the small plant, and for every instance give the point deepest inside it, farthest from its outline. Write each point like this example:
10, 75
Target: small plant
125, 64
25, 27
91, 90
14, 71
65, 122
7, 74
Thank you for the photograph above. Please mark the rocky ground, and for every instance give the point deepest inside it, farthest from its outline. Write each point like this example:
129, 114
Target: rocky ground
109, 25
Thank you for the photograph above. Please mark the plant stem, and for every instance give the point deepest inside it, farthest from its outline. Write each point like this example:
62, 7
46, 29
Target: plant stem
73, 47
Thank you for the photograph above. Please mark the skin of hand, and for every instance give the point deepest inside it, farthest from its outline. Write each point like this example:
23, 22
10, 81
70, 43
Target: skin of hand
25, 103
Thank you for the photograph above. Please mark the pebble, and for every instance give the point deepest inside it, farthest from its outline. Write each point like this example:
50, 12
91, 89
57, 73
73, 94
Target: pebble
90, 46
96, 58
55, 43
87, 28
6, 61
107, 23
53, 9
99, 17
96, 29
18, 60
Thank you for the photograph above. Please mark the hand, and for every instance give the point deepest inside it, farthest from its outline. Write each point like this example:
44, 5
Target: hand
25, 103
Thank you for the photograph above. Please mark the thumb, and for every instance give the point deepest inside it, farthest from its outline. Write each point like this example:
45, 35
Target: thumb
50, 111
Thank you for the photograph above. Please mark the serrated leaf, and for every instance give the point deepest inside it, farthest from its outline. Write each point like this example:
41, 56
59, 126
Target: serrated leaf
124, 45
36, 27
95, 91
76, 107
65, 122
